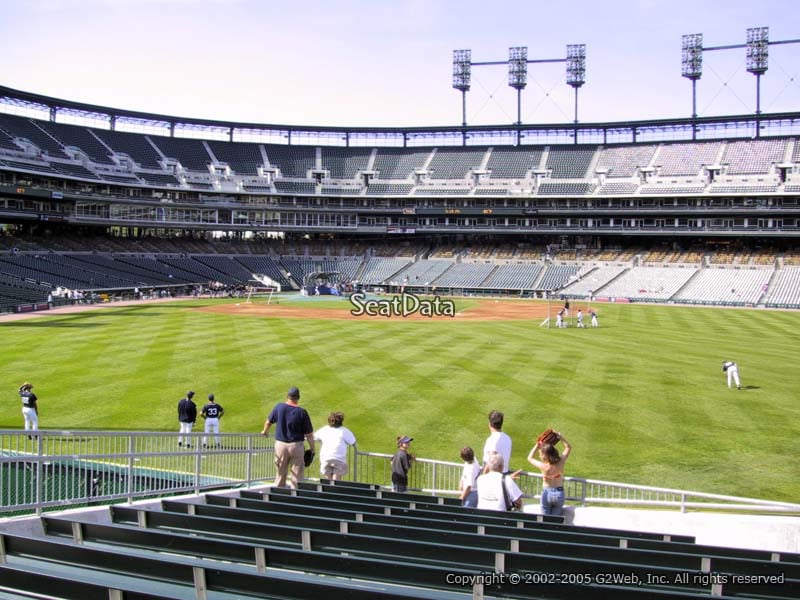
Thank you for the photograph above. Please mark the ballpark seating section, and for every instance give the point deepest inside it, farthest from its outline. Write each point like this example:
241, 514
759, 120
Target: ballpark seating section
568, 162
514, 276
648, 283
465, 275
686, 159
136, 146
344, 540
243, 158
192, 154
744, 166
455, 163
378, 270
293, 161
753, 156
507, 163
424, 272
743, 286
784, 292
592, 281
622, 161
345, 163
557, 276
399, 163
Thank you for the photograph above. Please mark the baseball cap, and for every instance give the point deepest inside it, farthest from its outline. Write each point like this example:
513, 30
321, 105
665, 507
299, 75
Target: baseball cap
293, 393
404, 440
211, 396
189, 394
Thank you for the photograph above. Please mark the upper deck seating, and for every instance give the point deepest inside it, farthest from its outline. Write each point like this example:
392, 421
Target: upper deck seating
686, 158
455, 163
191, 153
293, 161
623, 161
345, 163
570, 162
243, 158
513, 163
399, 163
745, 157
134, 145
21, 127
79, 137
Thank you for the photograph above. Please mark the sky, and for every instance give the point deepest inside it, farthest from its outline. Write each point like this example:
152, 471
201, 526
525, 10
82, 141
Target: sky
389, 63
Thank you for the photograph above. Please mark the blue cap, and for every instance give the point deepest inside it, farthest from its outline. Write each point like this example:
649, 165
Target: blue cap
293, 393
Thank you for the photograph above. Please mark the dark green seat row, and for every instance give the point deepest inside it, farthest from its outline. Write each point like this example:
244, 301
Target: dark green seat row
568, 540
442, 548
264, 556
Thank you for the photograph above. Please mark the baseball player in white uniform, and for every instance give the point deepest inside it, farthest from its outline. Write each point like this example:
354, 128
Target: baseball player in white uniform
30, 410
212, 413
732, 369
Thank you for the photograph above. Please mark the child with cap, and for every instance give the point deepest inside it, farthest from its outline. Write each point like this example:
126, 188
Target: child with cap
401, 463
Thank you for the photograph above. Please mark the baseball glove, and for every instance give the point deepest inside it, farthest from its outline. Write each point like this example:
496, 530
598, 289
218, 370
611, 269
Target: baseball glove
548, 436
308, 457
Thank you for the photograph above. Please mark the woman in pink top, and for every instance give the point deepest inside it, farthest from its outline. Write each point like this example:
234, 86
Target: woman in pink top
552, 467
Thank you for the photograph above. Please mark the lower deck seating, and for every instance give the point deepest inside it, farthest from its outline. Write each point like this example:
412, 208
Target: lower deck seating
347, 541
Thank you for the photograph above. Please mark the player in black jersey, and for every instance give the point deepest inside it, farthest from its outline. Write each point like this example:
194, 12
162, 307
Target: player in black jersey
30, 408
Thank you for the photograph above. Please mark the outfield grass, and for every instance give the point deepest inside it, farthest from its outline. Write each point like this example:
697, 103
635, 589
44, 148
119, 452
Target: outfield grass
642, 399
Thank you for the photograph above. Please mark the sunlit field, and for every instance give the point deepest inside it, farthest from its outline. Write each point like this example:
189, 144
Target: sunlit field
643, 398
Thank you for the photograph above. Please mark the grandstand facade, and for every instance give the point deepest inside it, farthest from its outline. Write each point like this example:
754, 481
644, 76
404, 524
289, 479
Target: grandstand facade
528, 209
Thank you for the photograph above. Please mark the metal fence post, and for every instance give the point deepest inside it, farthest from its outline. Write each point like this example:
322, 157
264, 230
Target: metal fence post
130, 469
39, 478
248, 463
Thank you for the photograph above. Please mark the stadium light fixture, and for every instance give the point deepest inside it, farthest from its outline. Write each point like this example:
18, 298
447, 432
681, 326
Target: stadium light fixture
462, 76
757, 50
692, 56
692, 66
518, 74
576, 69
757, 59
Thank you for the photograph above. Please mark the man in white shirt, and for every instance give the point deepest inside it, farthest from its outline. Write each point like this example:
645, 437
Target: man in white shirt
335, 439
497, 441
491, 495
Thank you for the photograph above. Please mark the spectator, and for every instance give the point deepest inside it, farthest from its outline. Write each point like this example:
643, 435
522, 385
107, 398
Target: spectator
335, 438
497, 491
467, 485
292, 427
498, 441
552, 468
401, 463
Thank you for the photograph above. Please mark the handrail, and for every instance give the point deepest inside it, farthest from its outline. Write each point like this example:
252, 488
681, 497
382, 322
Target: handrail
58, 469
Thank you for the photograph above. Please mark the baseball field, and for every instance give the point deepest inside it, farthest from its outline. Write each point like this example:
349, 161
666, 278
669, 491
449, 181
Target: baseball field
642, 398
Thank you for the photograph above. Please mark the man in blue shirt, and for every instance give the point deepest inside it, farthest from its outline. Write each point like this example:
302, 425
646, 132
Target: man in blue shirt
292, 428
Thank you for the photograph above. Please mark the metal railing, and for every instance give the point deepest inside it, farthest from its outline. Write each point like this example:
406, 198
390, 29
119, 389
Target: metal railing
60, 469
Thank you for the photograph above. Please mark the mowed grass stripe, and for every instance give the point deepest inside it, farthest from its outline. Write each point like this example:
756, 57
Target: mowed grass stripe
642, 398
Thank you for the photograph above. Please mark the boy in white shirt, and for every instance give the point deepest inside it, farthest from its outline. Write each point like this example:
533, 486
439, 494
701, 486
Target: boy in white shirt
335, 439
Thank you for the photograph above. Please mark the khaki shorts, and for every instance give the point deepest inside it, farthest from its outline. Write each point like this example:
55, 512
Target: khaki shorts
334, 467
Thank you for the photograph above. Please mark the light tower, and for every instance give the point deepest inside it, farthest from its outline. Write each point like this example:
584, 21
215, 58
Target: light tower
576, 69
518, 74
462, 73
692, 63
757, 57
